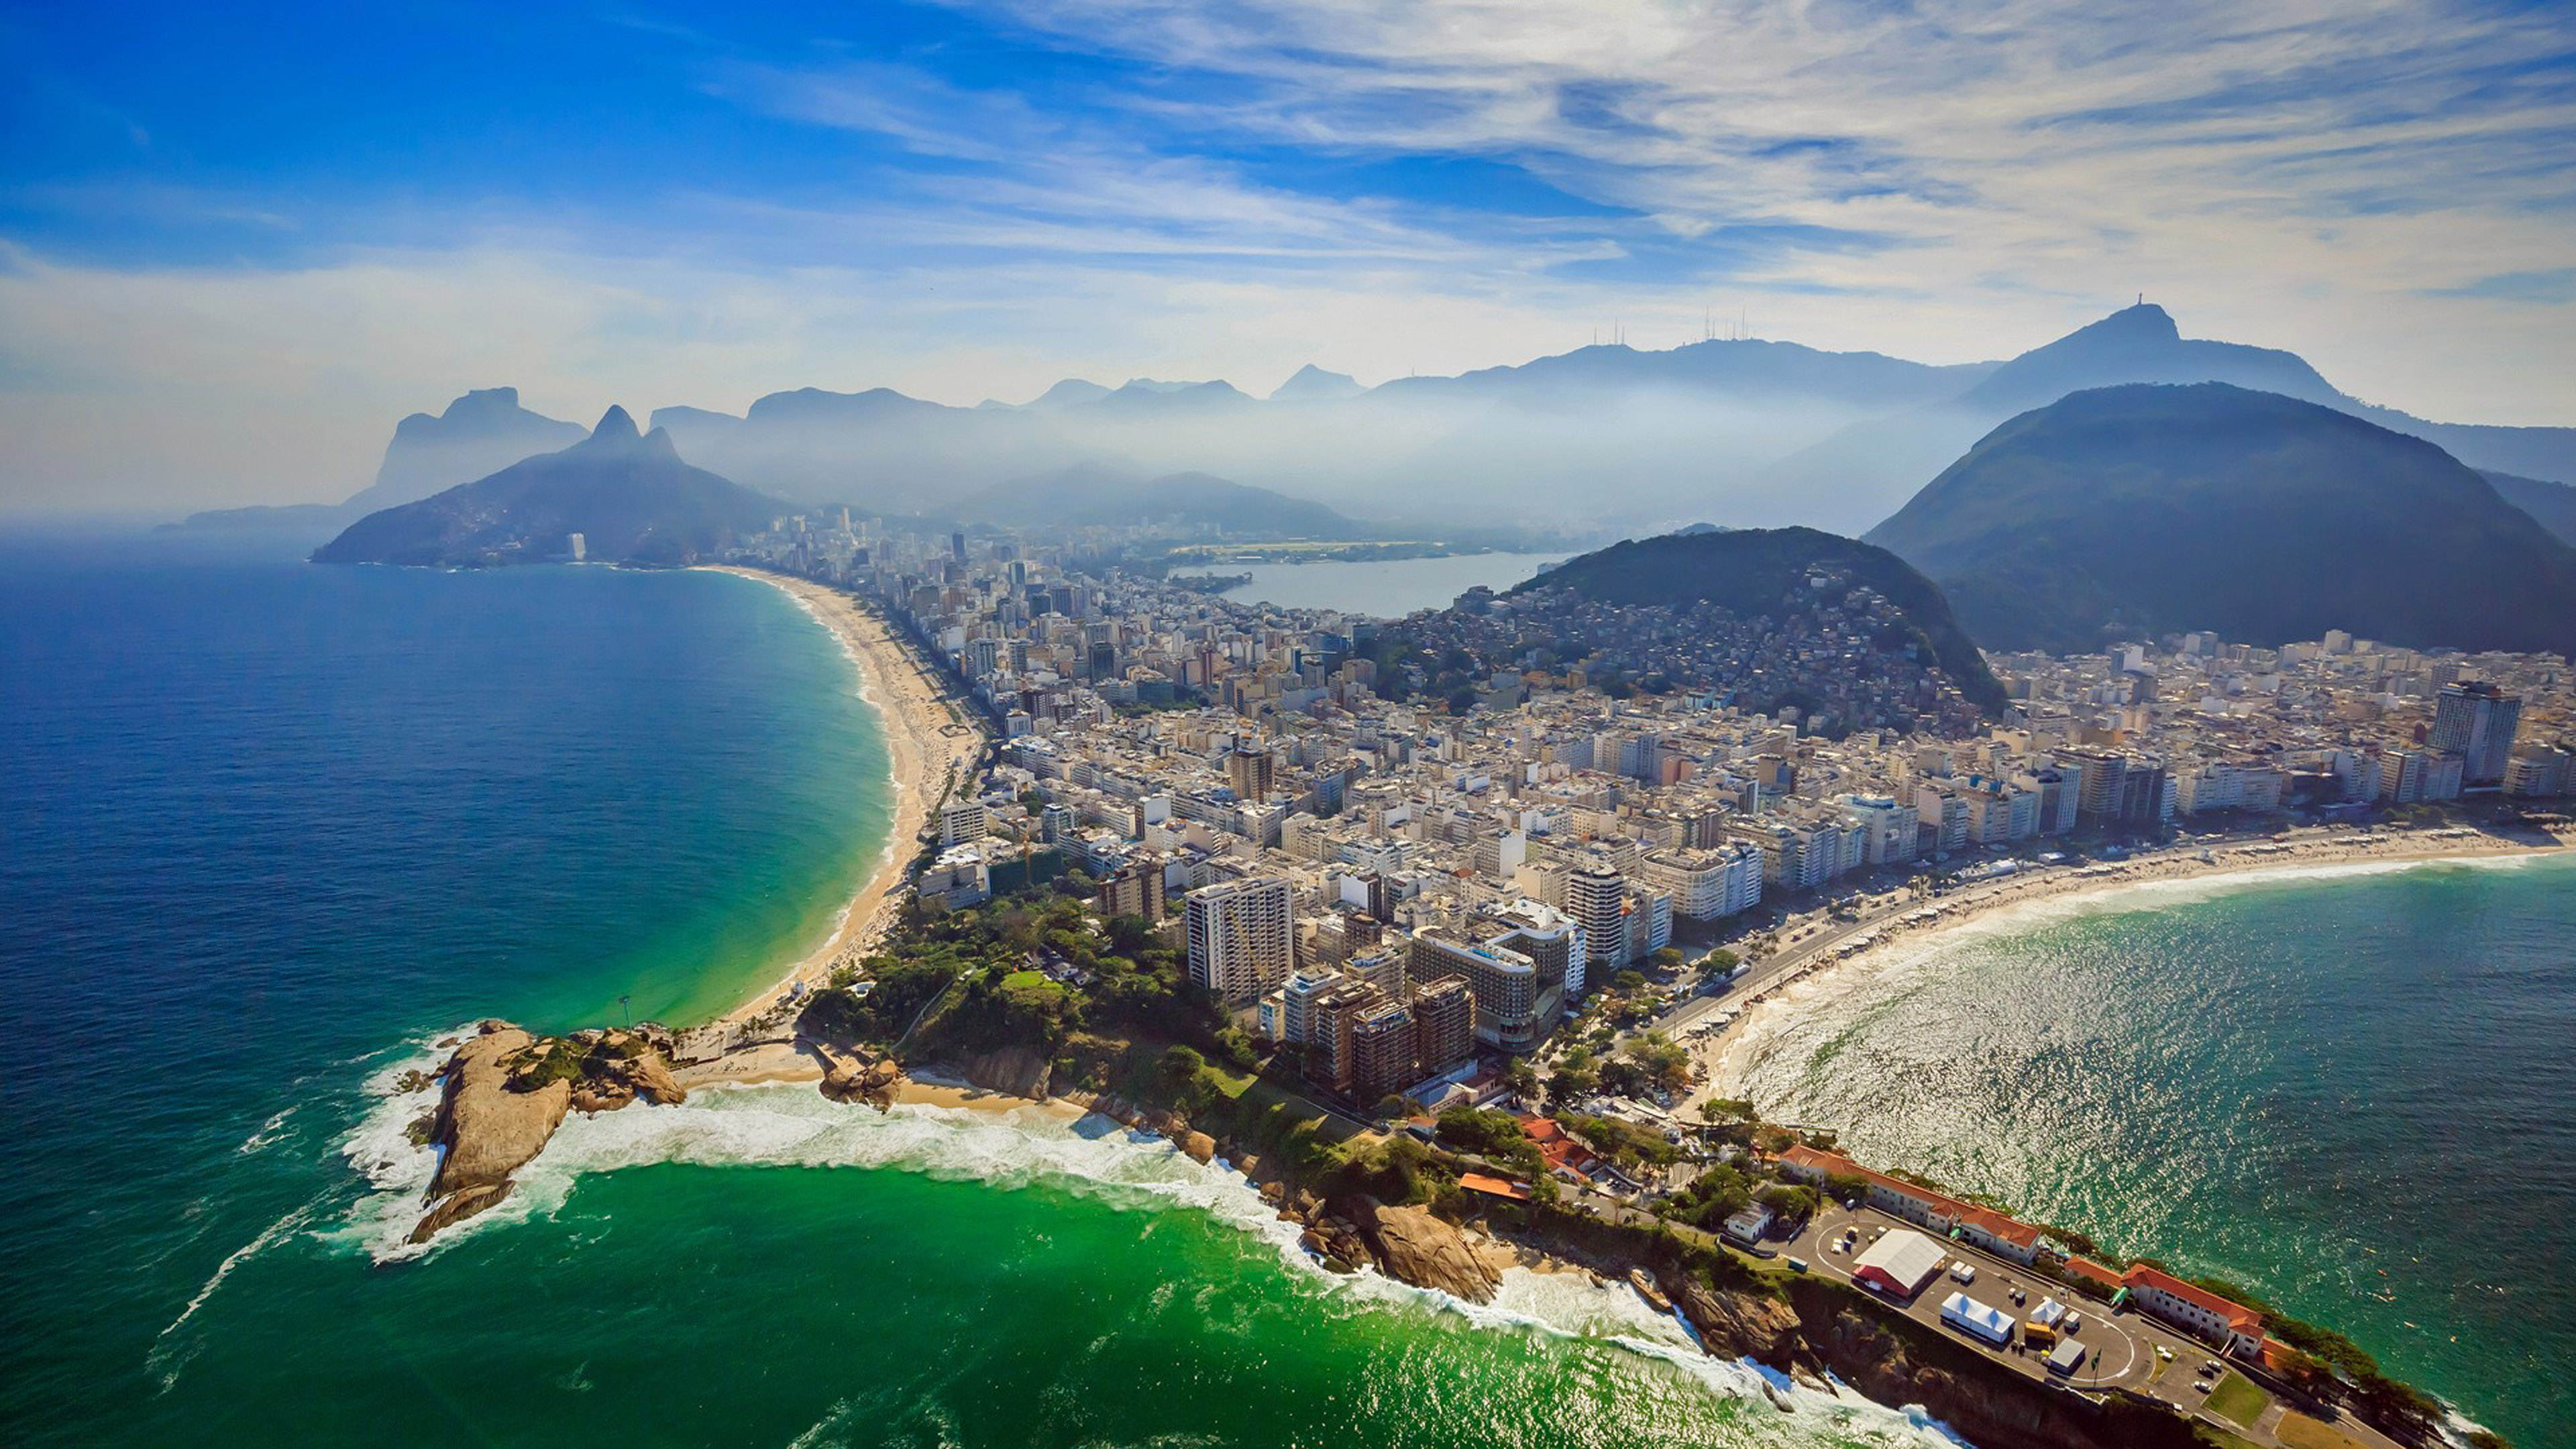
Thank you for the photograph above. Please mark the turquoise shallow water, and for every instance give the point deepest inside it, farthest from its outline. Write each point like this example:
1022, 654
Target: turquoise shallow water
273, 828
2350, 1092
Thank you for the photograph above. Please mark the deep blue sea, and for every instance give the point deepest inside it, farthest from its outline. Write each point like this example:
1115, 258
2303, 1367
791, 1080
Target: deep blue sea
268, 830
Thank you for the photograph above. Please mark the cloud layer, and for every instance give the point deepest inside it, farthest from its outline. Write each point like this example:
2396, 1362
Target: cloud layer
973, 200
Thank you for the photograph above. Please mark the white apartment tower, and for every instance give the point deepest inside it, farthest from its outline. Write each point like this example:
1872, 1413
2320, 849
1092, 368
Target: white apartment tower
1593, 893
1242, 936
2477, 722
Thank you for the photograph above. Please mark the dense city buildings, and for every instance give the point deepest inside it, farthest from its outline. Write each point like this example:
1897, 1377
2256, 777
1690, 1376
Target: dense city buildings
1392, 877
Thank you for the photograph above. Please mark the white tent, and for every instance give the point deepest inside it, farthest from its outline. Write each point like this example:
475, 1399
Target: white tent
2048, 1312
1991, 1324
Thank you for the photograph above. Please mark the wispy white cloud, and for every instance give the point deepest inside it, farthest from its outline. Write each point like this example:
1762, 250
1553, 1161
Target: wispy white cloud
2379, 185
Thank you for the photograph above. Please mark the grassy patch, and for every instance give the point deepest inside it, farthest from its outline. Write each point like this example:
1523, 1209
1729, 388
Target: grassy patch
1020, 979
2301, 1432
2237, 1398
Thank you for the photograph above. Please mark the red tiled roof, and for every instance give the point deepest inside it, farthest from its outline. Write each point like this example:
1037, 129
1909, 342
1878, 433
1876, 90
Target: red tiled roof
1994, 1224
2238, 1316
2087, 1268
1493, 1186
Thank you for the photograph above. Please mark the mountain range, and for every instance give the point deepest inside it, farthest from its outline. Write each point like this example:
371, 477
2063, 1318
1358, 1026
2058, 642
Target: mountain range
1594, 442
627, 494
2142, 509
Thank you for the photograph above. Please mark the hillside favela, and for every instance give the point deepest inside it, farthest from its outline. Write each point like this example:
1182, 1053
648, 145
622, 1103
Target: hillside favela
1290, 724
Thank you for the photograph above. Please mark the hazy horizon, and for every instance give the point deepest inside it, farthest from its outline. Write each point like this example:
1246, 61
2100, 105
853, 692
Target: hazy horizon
234, 253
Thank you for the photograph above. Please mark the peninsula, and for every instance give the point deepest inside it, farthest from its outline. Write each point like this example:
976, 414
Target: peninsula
1204, 868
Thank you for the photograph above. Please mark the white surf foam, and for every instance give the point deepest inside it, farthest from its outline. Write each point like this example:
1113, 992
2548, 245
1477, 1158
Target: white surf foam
268, 1133
792, 1125
167, 1358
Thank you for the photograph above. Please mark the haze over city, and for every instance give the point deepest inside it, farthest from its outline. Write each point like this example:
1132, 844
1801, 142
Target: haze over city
233, 247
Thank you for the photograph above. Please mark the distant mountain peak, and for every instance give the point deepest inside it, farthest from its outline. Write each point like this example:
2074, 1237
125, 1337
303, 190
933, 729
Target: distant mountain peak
616, 426
483, 400
2145, 322
2169, 507
1070, 390
1314, 384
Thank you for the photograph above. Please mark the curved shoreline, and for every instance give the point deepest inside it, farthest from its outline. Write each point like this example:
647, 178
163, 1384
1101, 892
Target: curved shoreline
929, 743
1983, 907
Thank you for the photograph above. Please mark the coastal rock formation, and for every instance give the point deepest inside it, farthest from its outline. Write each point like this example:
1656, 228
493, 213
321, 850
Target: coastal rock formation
1986, 1407
1733, 1323
490, 1125
863, 1079
508, 1091
1200, 1147
1412, 1246
616, 1067
456, 1207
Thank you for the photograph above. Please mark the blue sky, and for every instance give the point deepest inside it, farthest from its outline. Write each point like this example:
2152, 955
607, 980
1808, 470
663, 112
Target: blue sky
236, 242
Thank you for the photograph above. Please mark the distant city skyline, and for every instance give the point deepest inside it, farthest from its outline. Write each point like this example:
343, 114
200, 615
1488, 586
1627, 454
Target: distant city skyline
233, 249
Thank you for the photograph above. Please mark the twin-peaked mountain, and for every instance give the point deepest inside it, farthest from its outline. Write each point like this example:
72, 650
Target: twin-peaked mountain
479, 434
628, 495
2140, 510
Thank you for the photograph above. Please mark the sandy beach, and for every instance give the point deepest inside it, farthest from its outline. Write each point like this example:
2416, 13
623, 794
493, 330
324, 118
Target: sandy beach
932, 741
1900, 920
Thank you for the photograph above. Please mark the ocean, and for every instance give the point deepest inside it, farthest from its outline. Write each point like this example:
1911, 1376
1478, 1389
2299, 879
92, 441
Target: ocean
273, 831
2348, 1089
1382, 588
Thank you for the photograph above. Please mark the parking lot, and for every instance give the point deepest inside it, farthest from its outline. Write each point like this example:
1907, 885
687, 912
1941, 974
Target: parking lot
2121, 1348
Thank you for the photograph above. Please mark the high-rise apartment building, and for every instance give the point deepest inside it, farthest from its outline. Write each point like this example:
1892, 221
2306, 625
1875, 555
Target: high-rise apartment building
1332, 1037
2477, 721
1382, 1042
1593, 896
1444, 1026
1505, 984
1242, 936
1250, 769
1134, 889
